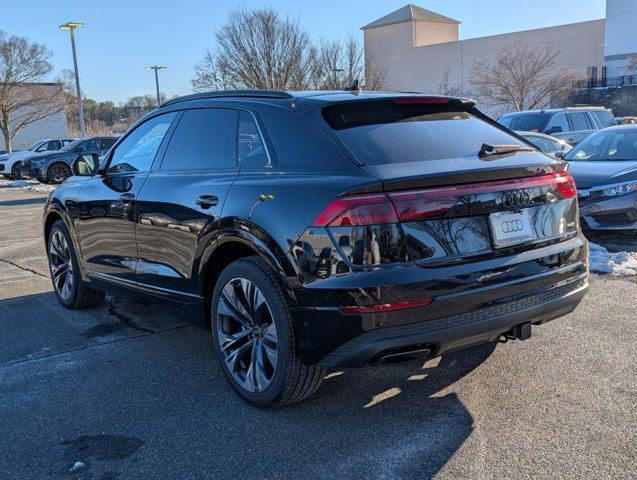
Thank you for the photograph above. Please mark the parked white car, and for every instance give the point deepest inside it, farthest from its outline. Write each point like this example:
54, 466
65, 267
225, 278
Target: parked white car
10, 162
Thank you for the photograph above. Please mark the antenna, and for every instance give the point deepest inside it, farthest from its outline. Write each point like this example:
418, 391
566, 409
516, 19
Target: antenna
354, 87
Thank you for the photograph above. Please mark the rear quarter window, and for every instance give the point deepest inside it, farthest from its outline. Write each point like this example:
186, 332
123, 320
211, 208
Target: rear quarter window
605, 118
390, 131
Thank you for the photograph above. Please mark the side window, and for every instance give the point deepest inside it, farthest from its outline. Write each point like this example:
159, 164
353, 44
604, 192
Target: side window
252, 150
66, 142
106, 143
54, 145
92, 145
43, 148
137, 151
204, 139
558, 120
579, 121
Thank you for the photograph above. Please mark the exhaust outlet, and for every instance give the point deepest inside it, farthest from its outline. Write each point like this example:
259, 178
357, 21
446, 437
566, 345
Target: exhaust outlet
412, 354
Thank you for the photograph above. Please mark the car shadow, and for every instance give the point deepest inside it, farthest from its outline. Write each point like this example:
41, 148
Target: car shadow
134, 375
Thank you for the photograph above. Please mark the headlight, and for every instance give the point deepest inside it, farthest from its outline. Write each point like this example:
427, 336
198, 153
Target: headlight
621, 189
38, 161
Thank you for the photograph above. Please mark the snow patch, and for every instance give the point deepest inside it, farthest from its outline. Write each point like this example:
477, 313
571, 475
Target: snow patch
77, 466
42, 188
620, 264
14, 183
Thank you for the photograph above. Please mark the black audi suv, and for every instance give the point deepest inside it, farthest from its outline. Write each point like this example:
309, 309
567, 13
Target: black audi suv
323, 229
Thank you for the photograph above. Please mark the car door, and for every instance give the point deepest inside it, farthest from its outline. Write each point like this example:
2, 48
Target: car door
581, 127
180, 204
106, 204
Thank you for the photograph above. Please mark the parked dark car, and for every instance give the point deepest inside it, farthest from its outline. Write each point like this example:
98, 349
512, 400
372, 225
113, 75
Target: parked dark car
571, 124
546, 143
55, 167
10, 163
323, 229
604, 167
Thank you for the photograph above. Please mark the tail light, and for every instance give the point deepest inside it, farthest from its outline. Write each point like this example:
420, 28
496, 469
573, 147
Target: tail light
366, 228
429, 203
358, 210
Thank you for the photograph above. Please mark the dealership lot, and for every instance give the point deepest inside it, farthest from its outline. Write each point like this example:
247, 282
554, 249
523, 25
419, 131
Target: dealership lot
131, 391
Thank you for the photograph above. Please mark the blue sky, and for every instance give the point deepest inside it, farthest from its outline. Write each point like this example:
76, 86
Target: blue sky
121, 37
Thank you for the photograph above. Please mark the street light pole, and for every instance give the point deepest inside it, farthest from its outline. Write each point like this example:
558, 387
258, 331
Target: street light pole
71, 26
156, 68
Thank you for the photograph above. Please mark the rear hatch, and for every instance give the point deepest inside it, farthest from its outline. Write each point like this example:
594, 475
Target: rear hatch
462, 186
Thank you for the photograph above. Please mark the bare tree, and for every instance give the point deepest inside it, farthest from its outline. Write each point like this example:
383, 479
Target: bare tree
339, 63
446, 87
257, 50
522, 77
24, 99
261, 50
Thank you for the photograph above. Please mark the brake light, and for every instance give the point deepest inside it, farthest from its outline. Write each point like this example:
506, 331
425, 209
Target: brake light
411, 100
355, 210
566, 188
385, 307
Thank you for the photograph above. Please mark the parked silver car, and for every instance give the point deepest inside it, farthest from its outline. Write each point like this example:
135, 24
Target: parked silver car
571, 124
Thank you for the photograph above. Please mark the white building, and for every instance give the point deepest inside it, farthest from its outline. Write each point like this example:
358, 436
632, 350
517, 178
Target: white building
416, 48
52, 126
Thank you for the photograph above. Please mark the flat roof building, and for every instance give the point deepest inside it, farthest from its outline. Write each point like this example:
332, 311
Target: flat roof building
418, 49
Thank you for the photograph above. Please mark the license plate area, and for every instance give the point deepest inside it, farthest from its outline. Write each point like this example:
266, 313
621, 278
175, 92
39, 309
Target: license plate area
511, 228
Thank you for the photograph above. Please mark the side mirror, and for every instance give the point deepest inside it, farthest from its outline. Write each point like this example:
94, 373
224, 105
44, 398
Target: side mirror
80, 149
86, 165
559, 154
555, 129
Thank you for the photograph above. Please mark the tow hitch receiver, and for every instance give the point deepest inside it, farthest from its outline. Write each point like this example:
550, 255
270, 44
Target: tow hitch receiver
519, 332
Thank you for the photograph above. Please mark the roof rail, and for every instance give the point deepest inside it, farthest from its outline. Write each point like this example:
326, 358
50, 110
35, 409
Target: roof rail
230, 93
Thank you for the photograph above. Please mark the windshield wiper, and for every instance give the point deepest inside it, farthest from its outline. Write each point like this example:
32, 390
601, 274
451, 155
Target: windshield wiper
487, 150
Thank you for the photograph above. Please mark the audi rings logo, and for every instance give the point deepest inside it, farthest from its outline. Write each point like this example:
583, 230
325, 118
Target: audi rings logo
516, 199
511, 226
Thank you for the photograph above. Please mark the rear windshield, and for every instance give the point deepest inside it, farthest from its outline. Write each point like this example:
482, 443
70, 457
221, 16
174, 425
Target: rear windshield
390, 131
524, 122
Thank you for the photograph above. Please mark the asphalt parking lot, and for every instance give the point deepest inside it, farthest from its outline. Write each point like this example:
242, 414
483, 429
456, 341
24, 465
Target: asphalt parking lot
127, 391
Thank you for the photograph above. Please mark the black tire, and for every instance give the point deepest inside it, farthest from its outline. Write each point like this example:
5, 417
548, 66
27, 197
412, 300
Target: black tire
81, 295
15, 171
292, 381
58, 172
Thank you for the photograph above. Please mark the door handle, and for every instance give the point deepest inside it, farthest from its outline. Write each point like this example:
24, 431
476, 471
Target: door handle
127, 197
207, 201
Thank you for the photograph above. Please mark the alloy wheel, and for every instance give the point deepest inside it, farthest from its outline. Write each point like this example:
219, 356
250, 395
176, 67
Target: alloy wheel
58, 173
61, 266
247, 334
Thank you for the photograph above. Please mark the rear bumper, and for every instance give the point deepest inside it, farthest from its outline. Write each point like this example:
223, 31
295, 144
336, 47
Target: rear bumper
459, 331
472, 302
